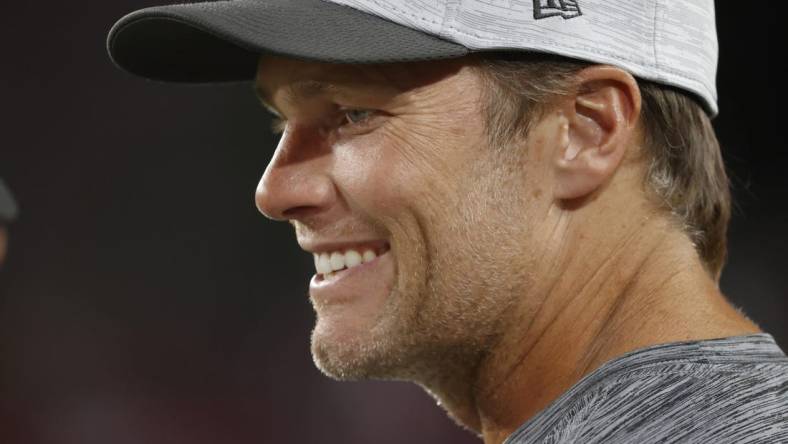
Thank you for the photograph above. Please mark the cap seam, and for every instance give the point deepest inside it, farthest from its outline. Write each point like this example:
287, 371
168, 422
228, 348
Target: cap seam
447, 14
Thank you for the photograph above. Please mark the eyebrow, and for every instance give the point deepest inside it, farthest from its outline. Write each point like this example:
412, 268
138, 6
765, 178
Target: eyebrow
302, 90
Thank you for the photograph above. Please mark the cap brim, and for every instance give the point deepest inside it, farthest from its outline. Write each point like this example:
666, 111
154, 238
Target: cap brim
222, 40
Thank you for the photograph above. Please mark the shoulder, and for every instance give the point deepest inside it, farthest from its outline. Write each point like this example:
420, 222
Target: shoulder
695, 403
690, 398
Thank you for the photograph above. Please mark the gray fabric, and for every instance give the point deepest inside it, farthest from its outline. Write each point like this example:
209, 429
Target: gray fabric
221, 41
720, 391
666, 41
8, 208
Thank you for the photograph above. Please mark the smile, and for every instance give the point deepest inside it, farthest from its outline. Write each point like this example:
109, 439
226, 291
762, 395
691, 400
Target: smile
330, 263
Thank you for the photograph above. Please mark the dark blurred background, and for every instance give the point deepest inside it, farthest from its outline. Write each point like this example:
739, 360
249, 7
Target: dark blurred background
146, 301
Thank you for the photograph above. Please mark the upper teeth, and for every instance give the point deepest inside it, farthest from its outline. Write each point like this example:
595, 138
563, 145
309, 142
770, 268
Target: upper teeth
334, 261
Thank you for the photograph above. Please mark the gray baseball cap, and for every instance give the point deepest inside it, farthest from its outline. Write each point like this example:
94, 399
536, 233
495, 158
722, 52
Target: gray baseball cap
666, 41
8, 208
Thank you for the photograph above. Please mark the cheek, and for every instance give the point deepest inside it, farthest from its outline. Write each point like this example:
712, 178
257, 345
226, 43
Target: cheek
385, 174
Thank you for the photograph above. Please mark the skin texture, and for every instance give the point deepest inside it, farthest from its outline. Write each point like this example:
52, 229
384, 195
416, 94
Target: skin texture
514, 271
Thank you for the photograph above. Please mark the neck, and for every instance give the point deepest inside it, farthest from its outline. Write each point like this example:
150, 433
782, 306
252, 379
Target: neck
647, 287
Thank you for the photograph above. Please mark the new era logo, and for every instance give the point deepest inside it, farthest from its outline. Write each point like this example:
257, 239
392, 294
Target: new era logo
549, 8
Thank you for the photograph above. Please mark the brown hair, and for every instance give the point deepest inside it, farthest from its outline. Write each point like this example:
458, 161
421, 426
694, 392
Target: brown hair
686, 171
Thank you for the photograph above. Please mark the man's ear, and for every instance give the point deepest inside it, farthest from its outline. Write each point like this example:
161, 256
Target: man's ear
600, 123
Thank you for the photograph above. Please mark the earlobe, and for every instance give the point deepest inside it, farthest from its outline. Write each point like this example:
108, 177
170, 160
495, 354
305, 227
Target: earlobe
598, 127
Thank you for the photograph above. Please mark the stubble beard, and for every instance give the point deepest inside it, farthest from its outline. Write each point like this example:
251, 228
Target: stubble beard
426, 331
394, 347
448, 314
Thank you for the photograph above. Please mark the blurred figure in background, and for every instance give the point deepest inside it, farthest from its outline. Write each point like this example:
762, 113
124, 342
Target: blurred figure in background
8, 213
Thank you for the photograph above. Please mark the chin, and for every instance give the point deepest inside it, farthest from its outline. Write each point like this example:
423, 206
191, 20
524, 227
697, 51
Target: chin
345, 353
340, 361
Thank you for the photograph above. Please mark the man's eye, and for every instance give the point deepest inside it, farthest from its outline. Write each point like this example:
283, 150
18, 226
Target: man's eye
355, 116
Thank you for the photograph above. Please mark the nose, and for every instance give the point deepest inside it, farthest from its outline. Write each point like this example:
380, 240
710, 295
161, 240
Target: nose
296, 183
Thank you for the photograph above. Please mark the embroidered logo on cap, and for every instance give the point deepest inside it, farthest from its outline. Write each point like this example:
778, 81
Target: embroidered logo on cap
549, 8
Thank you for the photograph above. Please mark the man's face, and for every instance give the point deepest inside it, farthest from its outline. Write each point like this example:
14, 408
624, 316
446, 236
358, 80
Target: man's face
394, 159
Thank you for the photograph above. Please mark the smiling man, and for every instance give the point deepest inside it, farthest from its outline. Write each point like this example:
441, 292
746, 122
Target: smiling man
519, 206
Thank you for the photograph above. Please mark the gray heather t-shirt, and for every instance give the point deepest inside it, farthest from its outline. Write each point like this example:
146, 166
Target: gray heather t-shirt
717, 391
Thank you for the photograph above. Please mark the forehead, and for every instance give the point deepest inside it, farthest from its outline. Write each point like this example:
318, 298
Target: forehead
304, 78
